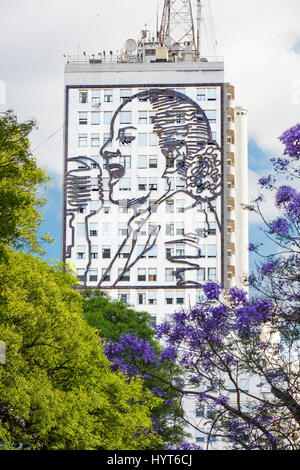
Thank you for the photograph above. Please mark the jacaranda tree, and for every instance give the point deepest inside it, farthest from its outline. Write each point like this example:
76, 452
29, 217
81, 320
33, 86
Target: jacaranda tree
240, 356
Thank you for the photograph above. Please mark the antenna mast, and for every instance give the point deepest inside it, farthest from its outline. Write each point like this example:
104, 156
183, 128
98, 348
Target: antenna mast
177, 24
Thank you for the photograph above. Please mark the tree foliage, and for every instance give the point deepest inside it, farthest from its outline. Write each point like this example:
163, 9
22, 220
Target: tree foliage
131, 345
57, 390
240, 356
20, 180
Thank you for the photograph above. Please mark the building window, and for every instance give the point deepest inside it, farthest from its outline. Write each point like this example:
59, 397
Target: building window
169, 229
106, 229
211, 94
80, 274
180, 206
123, 297
94, 206
180, 228
93, 275
200, 412
141, 275
170, 206
106, 252
143, 117
142, 161
82, 140
95, 118
153, 184
201, 94
108, 96
125, 184
153, 140
123, 229
80, 230
96, 161
125, 161
83, 97
153, 321
95, 140
125, 277
169, 298
125, 117
152, 162
125, 94
244, 385
94, 252
212, 274
152, 274
211, 251
107, 117
180, 250
179, 300
83, 118
212, 230
125, 252
96, 98
201, 274
141, 298
169, 274
152, 253
202, 251
142, 184
169, 252
143, 140
211, 116
93, 230
152, 117
81, 252
106, 275
152, 298
106, 208
180, 183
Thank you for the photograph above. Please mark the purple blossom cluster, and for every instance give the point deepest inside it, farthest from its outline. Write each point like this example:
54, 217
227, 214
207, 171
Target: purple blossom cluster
266, 182
212, 290
237, 296
280, 227
291, 140
268, 268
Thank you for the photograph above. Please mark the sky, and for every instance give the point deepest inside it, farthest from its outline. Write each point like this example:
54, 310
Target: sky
259, 39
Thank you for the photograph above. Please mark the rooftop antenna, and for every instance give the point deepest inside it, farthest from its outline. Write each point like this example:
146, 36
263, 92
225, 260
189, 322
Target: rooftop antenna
199, 19
177, 24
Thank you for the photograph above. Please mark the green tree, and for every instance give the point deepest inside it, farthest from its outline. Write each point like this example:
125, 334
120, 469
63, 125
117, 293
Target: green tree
20, 182
114, 320
57, 390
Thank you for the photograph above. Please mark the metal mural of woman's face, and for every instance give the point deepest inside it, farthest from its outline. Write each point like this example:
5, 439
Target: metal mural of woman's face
184, 140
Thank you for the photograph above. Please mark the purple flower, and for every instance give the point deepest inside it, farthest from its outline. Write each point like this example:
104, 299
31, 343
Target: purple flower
280, 227
291, 140
252, 247
268, 268
266, 182
212, 290
284, 195
237, 296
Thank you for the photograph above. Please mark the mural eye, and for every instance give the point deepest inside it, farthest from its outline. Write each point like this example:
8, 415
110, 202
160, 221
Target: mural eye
126, 139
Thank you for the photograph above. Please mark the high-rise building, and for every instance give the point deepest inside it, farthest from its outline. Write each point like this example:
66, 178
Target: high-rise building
155, 172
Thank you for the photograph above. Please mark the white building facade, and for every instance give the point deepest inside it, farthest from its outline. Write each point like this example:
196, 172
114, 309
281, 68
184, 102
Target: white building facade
155, 177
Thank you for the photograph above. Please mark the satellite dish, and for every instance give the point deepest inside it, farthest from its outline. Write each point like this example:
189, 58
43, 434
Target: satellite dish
130, 45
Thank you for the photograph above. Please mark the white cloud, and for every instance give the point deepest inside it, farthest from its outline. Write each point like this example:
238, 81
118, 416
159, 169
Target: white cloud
259, 39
